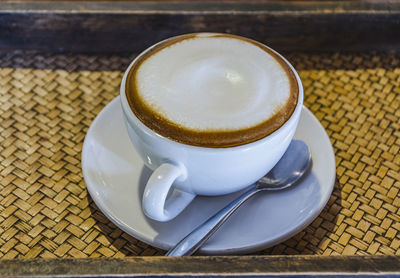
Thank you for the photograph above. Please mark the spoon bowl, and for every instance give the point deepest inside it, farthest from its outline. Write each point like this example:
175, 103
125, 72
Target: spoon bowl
290, 168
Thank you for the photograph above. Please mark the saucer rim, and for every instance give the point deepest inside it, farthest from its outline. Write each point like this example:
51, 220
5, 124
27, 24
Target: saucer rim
156, 242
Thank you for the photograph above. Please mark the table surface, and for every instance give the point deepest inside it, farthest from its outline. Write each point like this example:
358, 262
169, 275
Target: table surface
48, 101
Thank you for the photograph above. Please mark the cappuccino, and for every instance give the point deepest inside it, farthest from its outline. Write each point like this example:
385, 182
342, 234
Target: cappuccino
212, 90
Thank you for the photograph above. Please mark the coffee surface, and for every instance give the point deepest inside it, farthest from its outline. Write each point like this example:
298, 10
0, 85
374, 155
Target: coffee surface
211, 90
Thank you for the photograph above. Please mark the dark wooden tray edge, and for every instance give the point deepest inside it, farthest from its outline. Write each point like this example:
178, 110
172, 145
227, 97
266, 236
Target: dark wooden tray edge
304, 266
112, 27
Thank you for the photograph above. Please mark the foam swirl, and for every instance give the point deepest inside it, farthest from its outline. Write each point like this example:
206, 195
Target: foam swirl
212, 90
213, 84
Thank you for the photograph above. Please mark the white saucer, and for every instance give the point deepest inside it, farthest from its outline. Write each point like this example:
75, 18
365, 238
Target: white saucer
115, 177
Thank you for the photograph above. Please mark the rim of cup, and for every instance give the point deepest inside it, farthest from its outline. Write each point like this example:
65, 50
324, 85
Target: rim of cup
132, 117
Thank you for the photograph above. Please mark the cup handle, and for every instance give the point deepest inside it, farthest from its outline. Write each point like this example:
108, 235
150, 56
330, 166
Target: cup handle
155, 202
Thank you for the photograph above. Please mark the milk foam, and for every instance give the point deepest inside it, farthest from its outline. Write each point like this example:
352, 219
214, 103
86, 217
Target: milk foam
213, 83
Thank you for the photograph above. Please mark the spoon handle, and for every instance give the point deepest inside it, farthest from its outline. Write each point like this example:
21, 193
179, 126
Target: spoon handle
188, 245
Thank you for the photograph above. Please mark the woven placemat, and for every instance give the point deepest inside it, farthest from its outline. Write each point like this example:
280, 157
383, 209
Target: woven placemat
47, 103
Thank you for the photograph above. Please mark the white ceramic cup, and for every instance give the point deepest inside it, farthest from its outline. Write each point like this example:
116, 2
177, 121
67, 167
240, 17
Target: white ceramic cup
183, 171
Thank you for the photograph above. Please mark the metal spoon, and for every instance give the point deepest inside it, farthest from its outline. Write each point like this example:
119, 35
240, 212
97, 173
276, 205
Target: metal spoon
290, 168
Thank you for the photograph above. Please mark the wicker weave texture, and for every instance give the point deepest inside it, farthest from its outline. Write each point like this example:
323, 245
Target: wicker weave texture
47, 103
